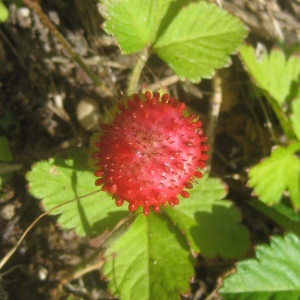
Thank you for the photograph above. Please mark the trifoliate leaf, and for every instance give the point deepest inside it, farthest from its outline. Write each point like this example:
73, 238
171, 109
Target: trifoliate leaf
151, 261
58, 180
295, 117
275, 274
199, 39
5, 151
134, 23
275, 174
272, 72
210, 224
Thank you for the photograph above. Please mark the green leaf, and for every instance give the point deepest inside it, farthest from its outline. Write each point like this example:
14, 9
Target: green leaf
3, 12
5, 152
211, 225
275, 274
272, 176
59, 180
272, 73
295, 117
286, 209
199, 39
134, 23
151, 261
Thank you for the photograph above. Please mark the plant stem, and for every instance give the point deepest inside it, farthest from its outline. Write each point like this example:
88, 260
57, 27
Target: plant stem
283, 119
215, 104
35, 6
137, 70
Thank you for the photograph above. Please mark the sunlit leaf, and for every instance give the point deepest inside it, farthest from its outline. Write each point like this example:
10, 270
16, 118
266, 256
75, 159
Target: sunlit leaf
151, 261
199, 39
275, 174
58, 180
274, 274
210, 224
134, 23
3, 12
273, 73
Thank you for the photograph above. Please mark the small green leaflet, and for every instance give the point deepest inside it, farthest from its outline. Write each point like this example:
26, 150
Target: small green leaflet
295, 117
275, 274
152, 260
3, 12
134, 23
199, 39
273, 73
273, 175
211, 225
59, 180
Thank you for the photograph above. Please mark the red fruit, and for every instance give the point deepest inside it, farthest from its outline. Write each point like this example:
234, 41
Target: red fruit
150, 152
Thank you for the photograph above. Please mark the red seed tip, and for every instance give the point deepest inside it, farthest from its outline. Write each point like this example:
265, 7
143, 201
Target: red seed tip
113, 189
204, 157
121, 106
188, 185
184, 194
198, 174
157, 95
156, 208
130, 102
204, 148
154, 101
197, 124
148, 96
171, 100
99, 181
119, 202
146, 210
175, 200
203, 139
98, 173
201, 164
165, 98
181, 106
132, 207
136, 98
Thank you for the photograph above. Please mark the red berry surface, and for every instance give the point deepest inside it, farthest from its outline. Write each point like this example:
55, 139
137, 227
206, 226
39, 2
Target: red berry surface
150, 153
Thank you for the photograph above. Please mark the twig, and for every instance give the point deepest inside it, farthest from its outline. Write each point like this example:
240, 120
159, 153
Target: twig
13, 250
164, 82
35, 6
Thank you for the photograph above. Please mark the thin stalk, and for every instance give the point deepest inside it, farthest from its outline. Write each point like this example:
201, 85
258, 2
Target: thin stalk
137, 70
35, 6
284, 121
215, 104
15, 247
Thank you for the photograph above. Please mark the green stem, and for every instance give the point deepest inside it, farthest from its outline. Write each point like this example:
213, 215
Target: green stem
137, 70
34, 5
283, 119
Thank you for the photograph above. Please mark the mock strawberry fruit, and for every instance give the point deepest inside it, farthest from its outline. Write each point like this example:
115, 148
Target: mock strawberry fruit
150, 152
